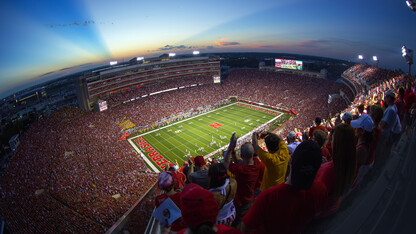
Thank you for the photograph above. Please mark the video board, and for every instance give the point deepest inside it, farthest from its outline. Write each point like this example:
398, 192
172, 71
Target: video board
289, 64
102, 105
217, 79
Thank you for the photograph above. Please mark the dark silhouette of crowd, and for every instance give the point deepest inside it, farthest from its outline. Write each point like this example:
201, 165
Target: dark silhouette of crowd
72, 172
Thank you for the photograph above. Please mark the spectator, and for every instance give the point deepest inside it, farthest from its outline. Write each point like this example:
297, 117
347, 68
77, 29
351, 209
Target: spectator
318, 121
224, 190
246, 172
291, 142
305, 136
199, 211
200, 176
339, 174
347, 117
180, 177
275, 160
319, 137
390, 123
364, 133
166, 182
400, 105
290, 206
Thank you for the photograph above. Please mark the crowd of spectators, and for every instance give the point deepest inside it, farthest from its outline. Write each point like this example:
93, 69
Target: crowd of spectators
67, 170
317, 182
73, 172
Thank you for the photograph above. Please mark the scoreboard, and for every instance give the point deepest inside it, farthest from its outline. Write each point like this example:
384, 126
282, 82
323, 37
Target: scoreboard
217, 79
289, 64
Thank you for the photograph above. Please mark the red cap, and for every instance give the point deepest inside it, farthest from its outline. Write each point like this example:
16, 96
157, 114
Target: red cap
199, 161
198, 206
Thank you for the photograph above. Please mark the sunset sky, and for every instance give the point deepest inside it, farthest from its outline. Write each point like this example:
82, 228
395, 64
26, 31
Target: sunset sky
45, 39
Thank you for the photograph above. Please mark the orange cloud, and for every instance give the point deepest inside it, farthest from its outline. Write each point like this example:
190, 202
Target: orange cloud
227, 43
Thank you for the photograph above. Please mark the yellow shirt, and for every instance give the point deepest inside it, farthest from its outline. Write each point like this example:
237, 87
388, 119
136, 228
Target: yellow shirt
275, 166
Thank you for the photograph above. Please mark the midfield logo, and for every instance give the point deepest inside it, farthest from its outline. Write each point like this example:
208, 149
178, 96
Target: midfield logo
215, 125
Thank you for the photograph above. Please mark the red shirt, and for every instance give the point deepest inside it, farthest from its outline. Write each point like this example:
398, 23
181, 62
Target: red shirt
320, 127
373, 145
401, 106
326, 153
221, 229
246, 177
261, 172
409, 98
180, 180
285, 209
326, 175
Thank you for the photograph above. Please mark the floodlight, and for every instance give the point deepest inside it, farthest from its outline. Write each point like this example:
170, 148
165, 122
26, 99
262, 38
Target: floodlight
375, 58
172, 54
140, 58
404, 51
113, 63
360, 57
196, 52
411, 4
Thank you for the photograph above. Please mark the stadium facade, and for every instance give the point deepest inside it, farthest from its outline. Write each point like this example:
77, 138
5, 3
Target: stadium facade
91, 87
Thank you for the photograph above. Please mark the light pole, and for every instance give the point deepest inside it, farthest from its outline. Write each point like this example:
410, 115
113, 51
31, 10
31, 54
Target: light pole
408, 55
361, 58
376, 60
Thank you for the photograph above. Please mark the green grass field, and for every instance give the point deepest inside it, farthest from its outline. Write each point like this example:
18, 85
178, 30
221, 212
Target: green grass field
204, 134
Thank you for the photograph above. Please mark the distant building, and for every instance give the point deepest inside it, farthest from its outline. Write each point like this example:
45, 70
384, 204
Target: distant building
91, 87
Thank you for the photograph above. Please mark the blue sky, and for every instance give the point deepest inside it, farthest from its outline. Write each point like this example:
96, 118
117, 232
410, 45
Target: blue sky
40, 39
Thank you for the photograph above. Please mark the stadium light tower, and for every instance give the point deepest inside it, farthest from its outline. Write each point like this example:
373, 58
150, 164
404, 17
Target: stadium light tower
196, 52
113, 63
411, 4
408, 55
172, 54
361, 58
140, 58
375, 60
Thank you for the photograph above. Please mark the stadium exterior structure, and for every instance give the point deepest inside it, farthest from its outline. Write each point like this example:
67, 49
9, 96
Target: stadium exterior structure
102, 83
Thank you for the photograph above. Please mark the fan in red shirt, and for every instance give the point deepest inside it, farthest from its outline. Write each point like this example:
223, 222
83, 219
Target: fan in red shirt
199, 211
166, 182
290, 206
318, 125
246, 174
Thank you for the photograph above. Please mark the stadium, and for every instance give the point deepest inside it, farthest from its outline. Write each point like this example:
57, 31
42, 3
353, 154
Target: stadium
87, 169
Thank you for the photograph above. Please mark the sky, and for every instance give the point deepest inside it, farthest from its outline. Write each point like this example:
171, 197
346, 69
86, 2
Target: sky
44, 39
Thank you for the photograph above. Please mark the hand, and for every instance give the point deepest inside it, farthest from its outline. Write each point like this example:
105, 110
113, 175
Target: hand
233, 142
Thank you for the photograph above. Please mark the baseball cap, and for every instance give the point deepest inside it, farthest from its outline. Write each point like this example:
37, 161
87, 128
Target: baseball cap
198, 206
199, 161
291, 135
390, 93
347, 115
365, 122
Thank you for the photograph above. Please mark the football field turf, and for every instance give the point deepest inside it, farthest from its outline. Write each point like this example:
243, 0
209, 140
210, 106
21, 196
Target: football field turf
204, 134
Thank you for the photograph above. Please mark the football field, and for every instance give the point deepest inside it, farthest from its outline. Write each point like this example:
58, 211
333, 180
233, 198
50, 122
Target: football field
204, 134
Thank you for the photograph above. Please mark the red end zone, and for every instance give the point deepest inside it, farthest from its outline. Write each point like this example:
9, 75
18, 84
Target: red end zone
147, 150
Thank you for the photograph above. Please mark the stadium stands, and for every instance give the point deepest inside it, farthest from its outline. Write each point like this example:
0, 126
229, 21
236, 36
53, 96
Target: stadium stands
72, 172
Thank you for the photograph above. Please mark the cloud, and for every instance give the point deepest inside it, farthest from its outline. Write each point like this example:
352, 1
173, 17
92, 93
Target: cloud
266, 46
223, 39
227, 43
210, 47
171, 47
314, 43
